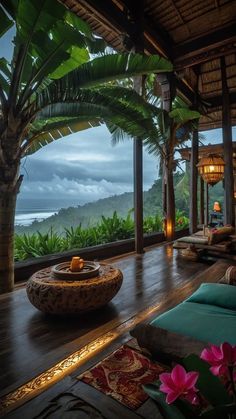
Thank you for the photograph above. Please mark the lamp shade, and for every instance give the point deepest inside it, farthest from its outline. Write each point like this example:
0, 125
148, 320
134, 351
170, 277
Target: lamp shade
211, 168
216, 207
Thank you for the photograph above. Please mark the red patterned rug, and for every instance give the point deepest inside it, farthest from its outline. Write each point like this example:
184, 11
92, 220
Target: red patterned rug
121, 376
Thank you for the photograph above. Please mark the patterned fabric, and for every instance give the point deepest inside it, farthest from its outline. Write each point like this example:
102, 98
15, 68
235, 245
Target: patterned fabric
230, 275
216, 235
121, 376
193, 240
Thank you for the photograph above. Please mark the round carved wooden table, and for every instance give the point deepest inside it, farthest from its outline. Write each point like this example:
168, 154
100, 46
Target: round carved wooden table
56, 296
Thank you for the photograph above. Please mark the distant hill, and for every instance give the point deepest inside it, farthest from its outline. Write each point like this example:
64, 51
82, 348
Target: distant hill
90, 213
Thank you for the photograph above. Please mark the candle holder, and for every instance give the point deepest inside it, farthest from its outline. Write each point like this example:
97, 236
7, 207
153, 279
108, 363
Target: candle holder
63, 271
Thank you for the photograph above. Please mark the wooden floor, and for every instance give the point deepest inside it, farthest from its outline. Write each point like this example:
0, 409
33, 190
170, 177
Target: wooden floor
32, 342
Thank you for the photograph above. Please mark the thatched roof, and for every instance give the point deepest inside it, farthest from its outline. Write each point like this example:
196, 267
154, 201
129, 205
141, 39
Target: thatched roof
194, 34
204, 150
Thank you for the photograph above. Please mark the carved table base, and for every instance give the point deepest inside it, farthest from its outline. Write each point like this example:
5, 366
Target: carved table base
55, 296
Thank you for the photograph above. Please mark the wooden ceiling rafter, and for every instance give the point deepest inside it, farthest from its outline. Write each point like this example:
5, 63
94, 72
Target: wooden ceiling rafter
200, 22
158, 33
232, 77
216, 101
206, 43
205, 149
212, 35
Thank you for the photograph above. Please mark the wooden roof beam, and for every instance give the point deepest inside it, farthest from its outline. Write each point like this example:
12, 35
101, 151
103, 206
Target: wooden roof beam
156, 40
204, 48
157, 35
113, 14
216, 101
184, 90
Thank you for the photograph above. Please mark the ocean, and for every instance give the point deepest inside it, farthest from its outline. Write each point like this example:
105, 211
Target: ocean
29, 210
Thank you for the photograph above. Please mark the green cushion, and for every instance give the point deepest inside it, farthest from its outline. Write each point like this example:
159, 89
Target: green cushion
221, 295
204, 322
193, 240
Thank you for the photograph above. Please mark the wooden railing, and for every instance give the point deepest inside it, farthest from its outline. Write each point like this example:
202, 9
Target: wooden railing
24, 269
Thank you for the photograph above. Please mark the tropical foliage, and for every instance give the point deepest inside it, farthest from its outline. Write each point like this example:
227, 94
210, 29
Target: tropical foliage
172, 130
90, 214
108, 230
50, 89
181, 221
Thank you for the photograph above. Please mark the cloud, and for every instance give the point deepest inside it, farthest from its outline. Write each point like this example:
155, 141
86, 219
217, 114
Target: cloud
84, 167
84, 163
80, 193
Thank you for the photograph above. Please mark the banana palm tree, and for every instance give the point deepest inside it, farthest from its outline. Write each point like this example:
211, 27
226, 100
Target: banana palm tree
175, 128
50, 89
172, 129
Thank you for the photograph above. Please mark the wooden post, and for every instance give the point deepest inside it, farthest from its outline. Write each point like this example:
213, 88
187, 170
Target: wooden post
229, 217
201, 201
138, 182
207, 205
193, 216
136, 16
138, 194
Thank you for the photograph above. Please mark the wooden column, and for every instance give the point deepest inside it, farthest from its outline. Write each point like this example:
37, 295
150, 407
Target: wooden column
135, 13
138, 182
207, 205
138, 194
201, 219
229, 217
193, 213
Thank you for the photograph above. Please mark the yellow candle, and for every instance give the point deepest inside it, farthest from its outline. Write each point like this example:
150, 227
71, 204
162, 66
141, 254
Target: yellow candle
77, 263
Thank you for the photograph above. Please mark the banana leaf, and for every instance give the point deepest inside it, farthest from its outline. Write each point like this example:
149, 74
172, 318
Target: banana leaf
5, 22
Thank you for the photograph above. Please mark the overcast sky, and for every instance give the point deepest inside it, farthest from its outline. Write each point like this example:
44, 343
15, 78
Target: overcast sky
85, 167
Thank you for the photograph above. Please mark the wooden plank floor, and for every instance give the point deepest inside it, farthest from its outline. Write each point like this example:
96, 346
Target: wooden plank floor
32, 342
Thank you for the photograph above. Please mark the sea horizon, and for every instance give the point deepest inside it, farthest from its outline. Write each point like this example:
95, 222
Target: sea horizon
29, 210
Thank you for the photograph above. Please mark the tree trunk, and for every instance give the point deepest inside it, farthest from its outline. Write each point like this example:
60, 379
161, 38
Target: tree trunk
10, 182
170, 201
7, 216
164, 201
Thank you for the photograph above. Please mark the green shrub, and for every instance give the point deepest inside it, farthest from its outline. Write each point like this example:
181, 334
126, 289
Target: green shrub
109, 229
38, 244
79, 237
181, 220
152, 224
116, 228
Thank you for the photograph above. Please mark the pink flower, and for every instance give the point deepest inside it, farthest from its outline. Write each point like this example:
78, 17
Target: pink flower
179, 383
220, 358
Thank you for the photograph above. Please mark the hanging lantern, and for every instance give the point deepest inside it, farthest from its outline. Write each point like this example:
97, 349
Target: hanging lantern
211, 168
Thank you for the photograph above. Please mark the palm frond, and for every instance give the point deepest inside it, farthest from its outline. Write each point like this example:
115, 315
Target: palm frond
96, 45
154, 145
118, 135
114, 67
5, 22
183, 115
87, 105
45, 132
131, 98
